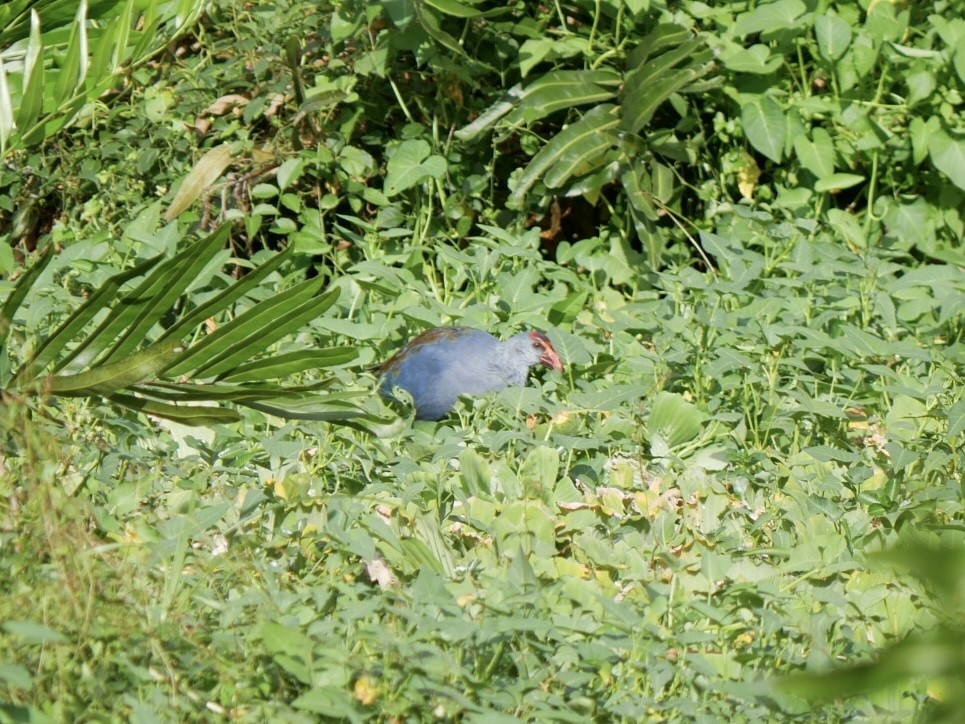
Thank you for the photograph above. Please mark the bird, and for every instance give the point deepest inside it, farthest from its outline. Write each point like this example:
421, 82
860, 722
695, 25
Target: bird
444, 362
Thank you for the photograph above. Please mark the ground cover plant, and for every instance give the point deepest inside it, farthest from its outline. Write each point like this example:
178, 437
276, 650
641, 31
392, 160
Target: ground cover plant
739, 225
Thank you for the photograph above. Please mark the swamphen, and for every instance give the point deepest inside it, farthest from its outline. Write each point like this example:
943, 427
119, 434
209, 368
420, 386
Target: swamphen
443, 363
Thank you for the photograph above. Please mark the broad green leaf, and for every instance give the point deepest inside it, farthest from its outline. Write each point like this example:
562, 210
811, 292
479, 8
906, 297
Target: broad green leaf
756, 59
816, 155
540, 469
410, 164
956, 420
582, 141
108, 378
834, 36
674, 419
205, 172
291, 363
765, 126
183, 414
475, 473
31, 632
948, 156
770, 17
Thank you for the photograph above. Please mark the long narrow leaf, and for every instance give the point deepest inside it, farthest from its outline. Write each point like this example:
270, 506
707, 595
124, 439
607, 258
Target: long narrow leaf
136, 303
288, 322
184, 414
170, 287
247, 328
24, 283
565, 89
109, 378
32, 99
229, 296
216, 392
291, 363
492, 114
72, 326
599, 120
322, 408
6, 111
641, 101
73, 70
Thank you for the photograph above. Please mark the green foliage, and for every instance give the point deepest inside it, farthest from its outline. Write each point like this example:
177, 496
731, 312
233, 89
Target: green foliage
688, 524
128, 361
71, 54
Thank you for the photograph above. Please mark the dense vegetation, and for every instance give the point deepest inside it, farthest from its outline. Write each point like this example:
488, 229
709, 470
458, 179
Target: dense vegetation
739, 223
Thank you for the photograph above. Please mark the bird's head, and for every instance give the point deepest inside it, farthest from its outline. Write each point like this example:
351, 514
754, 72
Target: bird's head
543, 348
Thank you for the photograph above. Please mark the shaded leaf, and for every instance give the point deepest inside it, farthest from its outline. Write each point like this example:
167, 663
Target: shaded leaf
765, 126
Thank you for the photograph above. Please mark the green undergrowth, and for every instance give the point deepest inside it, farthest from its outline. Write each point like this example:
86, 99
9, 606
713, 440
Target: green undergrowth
691, 510
742, 499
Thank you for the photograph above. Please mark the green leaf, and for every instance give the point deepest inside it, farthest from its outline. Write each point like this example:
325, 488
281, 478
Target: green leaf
430, 23
948, 156
108, 378
655, 78
956, 420
765, 126
32, 99
253, 331
20, 291
170, 285
771, 17
291, 363
674, 419
183, 414
47, 352
577, 146
834, 36
410, 164
566, 89
321, 408
228, 297
31, 632
816, 155
6, 112
838, 181
139, 309
74, 67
